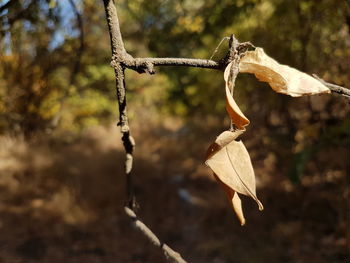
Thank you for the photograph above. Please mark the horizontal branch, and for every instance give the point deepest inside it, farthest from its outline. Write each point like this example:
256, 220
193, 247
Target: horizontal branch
191, 62
146, 65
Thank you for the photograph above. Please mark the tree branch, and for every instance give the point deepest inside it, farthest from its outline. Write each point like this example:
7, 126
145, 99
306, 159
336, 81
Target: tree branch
169, 253
7, 5
334, 88
118, 51
142, 65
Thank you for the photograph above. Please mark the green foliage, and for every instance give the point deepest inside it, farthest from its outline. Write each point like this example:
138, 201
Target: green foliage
87, 109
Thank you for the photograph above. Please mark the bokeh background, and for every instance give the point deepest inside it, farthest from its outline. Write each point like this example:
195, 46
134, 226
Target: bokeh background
61, 158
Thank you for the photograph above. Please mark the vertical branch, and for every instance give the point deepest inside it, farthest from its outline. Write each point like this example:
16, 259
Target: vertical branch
119, 54
119, 57
118, 51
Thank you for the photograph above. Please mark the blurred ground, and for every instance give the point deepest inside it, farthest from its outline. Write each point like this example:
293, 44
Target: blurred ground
61, 200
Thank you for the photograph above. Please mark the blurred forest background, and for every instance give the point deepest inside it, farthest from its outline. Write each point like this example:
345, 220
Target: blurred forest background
61, 159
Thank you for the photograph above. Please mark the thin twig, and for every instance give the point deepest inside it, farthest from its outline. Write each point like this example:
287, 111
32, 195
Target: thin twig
218, 46
7, 5
334, 88
145, 65
169, 253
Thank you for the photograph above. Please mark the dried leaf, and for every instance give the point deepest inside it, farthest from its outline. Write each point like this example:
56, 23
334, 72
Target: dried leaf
282, 78
221, 141
232, 108
234, 200
230, 162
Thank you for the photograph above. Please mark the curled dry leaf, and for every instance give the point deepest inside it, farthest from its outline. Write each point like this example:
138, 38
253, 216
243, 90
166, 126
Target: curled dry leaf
231, 164
232, 108
282, 78
233, 199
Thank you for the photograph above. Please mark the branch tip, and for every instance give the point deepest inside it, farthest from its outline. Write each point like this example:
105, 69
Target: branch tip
333, 87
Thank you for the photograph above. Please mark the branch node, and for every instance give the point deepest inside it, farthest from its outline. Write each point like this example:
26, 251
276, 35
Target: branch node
124, 128
235, 52
113, 63
140, 65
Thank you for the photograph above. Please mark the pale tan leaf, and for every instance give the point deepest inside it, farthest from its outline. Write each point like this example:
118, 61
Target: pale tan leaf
282, 78
232, 108
230, 162
234, 200
237, 207
222, 140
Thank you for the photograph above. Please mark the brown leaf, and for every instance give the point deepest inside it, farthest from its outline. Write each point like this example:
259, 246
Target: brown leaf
282, 78
221, 141
231, 164
234, 200
232, 108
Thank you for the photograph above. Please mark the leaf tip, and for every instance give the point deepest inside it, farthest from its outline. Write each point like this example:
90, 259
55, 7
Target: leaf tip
261, 207
242, 222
